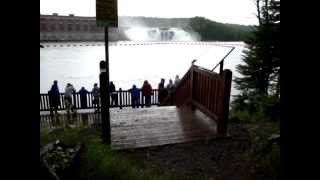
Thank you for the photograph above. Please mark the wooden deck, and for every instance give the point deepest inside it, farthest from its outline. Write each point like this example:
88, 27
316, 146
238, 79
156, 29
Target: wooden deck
145, 127
159, 126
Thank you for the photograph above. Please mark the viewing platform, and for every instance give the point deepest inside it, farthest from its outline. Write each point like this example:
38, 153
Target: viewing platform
145, 127
196, 109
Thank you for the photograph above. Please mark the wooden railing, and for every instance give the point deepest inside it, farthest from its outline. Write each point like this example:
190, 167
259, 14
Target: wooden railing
205, 90
123, 97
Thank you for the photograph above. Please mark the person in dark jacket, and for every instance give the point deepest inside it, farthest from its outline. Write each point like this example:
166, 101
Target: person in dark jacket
54, 97
162, 91
83, 97
135, 96
146, 93
96, 97
113, 94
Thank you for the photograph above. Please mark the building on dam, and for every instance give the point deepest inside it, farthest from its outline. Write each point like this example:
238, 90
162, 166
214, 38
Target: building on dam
74, 28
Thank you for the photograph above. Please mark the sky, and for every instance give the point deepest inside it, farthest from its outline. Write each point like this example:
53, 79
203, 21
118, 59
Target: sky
225, 11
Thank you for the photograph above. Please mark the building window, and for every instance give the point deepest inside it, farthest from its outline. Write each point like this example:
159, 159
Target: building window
78, 27
61, 27
43, 27
85, 28
69, 27
93, 27
53, 27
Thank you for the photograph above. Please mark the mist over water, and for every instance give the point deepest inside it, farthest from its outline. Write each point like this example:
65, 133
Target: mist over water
160, 34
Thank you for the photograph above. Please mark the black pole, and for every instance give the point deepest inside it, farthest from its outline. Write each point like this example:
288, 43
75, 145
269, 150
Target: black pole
104, 92
221, 67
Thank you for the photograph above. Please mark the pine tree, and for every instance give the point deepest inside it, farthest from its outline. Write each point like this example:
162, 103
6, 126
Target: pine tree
260, 71
261, 57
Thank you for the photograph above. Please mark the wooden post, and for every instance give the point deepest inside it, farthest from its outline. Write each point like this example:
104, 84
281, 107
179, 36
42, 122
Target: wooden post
120, 103
224, 105
192, 87
104, 93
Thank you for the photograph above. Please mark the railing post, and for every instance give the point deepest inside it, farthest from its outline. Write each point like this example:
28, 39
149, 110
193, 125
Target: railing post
141, 100
221, 67
120, 103
224, 105
191, 87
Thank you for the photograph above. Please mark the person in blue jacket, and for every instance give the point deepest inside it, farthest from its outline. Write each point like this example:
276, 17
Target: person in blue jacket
135, 96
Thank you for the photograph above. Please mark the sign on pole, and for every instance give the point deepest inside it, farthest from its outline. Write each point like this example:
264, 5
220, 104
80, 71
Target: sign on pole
106, 16
107, 13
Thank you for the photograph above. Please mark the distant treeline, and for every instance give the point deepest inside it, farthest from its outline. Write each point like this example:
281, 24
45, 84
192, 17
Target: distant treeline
211, 31
207, 29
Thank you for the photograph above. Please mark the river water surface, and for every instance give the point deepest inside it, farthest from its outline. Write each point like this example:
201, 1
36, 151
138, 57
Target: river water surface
130, 62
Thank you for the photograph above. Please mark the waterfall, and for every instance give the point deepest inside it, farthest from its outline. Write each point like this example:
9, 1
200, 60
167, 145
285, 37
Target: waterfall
159, 34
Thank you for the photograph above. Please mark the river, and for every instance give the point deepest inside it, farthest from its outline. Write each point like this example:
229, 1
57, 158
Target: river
131, 62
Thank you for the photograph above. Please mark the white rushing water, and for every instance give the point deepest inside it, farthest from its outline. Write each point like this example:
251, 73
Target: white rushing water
160, 34
130, 62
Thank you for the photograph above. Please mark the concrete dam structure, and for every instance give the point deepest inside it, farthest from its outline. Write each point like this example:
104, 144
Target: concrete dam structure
74, 28
161, 34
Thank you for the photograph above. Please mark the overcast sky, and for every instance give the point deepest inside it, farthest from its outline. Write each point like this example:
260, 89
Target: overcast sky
226, 11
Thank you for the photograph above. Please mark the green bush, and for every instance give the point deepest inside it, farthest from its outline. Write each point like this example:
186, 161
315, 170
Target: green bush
262, 159
256, 107
98, 160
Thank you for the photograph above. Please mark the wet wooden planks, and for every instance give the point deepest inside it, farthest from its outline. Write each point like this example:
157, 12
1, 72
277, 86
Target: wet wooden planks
135, 128
145, 127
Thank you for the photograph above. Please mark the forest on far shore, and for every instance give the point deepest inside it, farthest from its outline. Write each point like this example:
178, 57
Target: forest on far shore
206, 29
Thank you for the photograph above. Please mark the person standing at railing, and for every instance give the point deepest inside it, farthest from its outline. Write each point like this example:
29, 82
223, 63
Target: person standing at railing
113, 94
54, 97
176, 81
170, 86
162, 91
83, 97
69, 91
146, 93
135, 96
96, 97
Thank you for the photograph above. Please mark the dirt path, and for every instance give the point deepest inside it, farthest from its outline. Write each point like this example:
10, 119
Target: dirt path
217, 159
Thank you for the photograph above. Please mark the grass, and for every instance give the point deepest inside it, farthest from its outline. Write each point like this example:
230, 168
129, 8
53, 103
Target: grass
98, 160
262, 159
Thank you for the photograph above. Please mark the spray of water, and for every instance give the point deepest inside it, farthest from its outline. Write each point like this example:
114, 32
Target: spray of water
159, 34
136, 29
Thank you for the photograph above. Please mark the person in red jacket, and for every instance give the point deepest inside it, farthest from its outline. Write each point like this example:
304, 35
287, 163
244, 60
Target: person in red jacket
146, 93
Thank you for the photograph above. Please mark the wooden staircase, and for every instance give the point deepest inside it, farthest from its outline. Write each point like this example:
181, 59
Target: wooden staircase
206, 91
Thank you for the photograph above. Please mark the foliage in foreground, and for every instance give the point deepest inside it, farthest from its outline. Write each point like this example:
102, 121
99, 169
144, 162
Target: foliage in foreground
256, 107
99, 161
262, 160
261, 116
